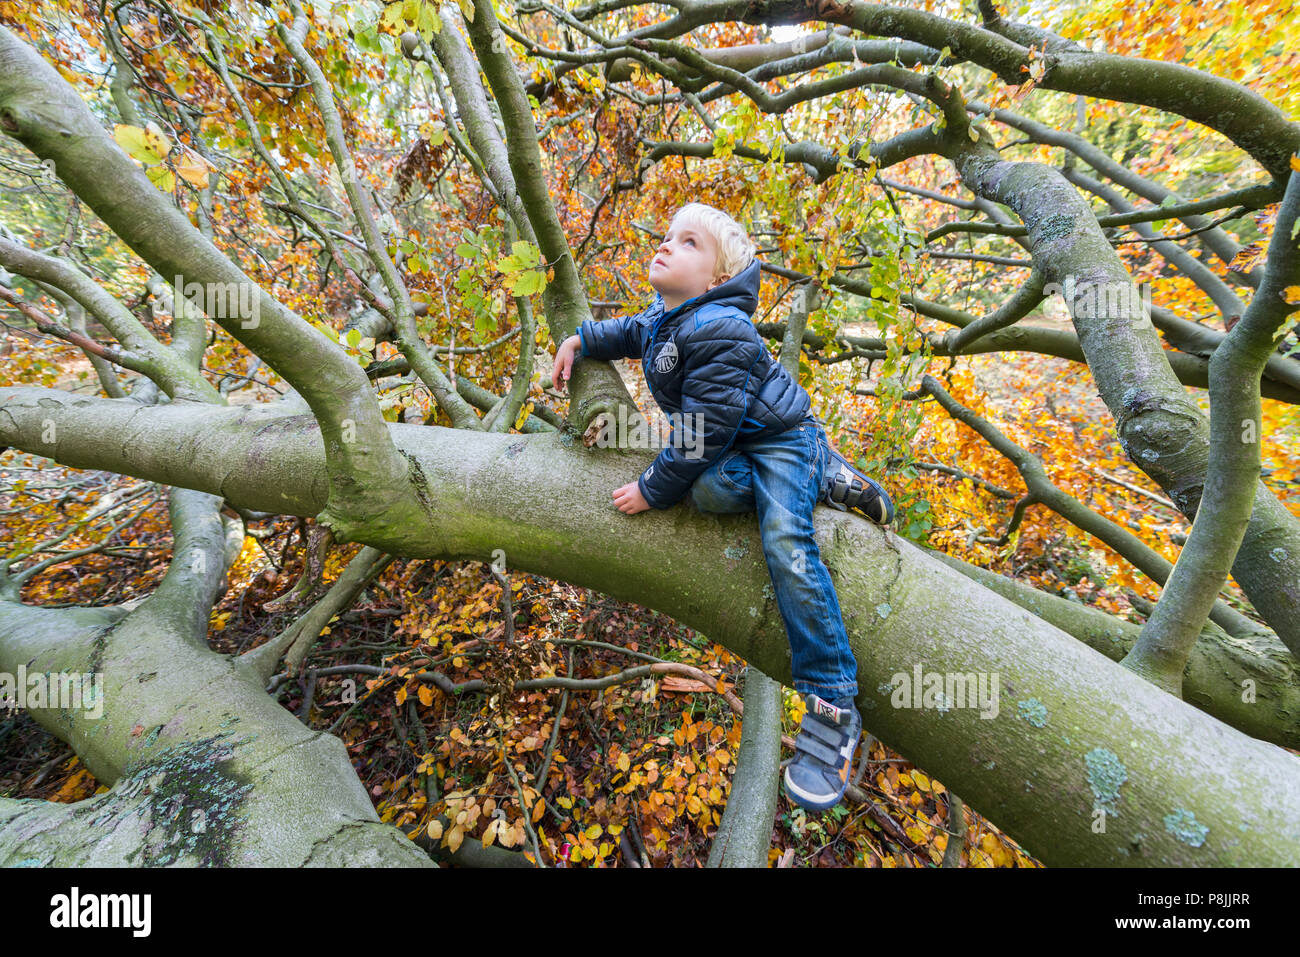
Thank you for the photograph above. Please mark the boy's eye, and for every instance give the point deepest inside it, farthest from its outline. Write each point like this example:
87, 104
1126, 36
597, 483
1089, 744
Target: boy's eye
691, 241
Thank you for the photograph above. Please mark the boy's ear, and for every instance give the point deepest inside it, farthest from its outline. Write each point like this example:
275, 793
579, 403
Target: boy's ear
719, 281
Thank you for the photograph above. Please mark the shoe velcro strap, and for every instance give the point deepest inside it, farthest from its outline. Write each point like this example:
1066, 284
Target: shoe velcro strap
842, 489
821, 752
832, 736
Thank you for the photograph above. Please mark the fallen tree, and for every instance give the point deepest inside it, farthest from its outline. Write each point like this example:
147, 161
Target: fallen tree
1076, 740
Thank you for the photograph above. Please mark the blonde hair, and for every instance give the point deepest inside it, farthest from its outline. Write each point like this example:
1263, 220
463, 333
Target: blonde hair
735, 248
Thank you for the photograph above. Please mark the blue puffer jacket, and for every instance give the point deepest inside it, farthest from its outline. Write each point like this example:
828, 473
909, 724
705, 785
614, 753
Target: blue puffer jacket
702, 357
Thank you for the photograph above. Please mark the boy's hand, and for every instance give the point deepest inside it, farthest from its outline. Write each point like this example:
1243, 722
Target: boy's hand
564, 363
629, 499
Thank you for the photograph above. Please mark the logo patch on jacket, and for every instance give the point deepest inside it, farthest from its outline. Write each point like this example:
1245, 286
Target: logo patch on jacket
667, 357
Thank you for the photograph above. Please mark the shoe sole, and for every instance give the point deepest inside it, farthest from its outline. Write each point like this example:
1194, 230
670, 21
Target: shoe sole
808, 801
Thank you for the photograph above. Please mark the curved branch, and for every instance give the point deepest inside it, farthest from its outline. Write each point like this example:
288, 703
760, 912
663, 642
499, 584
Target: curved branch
173, 375
1236, 426
1127, 545
40, 109
1240, 114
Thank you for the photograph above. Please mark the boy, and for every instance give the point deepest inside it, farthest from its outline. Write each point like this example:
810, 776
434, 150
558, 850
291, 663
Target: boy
763, 450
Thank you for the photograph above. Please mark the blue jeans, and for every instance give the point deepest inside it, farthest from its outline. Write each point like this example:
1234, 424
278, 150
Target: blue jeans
780, 477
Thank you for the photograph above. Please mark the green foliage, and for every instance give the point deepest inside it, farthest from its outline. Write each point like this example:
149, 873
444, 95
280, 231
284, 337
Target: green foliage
474, 280
521, 269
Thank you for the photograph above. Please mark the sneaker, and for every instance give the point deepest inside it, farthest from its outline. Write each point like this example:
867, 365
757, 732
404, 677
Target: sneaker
845, 487
818, 774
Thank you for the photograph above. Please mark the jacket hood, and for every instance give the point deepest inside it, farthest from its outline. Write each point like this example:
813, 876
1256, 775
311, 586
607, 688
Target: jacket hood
740, 291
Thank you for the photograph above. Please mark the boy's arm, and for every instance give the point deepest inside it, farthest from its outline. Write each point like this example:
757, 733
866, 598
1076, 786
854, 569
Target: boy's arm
611, 339
716, 381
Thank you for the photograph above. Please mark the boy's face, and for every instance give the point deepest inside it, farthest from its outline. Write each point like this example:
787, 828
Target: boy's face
683, 266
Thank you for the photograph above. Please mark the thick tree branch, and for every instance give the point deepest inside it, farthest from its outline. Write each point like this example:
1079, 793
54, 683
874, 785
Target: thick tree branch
1236, 427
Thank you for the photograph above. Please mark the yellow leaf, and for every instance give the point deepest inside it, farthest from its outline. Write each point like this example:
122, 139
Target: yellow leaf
920, 780
148, 145
426, 695
161, 177
454, 839
401, 695
1292, 293
594, 831
435, 829
1295, 162
624, 762
491, 833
